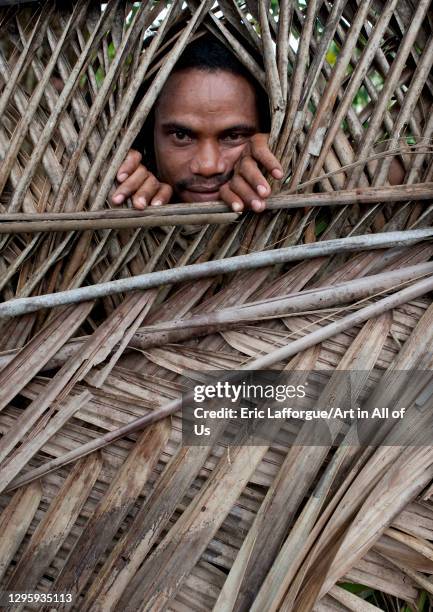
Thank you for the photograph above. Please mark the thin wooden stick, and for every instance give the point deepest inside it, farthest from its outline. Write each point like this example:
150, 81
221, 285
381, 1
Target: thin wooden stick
140, 18
201, 214
284, 23
262, 259
410, 100
176, 330
323, 297
316, 134
83, 224
389, 86
278, 103
64, 97
354, 84
298, 79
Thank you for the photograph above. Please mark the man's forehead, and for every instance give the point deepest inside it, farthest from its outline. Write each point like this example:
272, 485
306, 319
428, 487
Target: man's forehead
198, 91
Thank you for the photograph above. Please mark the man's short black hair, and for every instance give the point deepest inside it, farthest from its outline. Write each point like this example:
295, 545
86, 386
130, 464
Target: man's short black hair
207, 53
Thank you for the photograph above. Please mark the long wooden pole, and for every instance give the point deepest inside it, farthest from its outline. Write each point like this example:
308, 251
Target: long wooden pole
19, 306
177, 330
201, 213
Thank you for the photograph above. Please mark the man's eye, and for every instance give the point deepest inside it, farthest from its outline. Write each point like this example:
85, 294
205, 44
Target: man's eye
181, 136
234, 137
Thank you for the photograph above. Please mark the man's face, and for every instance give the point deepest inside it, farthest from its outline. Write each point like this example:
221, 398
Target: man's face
203, 121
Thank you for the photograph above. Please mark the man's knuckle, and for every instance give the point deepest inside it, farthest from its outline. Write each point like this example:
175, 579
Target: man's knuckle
153, 181
136, 155
246, 162
262, 151
144, 173
235, 182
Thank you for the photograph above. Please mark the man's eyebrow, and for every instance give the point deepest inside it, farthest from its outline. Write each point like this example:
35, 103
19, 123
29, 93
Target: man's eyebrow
177, 126
244, 128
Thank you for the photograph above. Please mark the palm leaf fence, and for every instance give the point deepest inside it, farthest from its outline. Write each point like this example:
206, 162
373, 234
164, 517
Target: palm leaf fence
105, 312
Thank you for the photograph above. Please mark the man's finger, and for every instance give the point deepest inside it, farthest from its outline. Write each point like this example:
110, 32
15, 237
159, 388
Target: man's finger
129, 166
231, 198
130, 186
261, 152
162, 196
246, 194
146, 191
249, 170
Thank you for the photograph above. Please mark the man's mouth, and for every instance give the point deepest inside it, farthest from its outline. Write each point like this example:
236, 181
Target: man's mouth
202, 193
207, 191
204, 189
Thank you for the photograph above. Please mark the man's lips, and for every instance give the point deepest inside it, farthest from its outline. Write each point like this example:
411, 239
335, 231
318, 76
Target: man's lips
207, 189
201, 194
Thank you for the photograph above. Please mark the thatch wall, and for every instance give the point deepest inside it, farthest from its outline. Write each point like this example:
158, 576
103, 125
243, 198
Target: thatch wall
99, 497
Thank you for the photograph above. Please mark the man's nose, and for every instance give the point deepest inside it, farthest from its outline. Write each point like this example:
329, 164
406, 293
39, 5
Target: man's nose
208, 160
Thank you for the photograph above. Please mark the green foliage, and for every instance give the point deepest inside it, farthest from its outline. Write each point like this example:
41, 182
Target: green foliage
320, 227
99, 76
332, 53
386, 602
111, 51
134, 9
357, 589
361, 99
275, 8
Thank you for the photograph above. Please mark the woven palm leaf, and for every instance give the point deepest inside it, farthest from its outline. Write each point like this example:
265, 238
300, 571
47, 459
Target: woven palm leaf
99, 497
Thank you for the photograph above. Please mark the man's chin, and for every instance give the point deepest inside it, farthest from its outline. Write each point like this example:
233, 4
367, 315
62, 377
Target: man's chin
198, 196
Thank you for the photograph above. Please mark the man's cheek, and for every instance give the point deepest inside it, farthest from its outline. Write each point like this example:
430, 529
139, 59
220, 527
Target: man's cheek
177, 163
166, 170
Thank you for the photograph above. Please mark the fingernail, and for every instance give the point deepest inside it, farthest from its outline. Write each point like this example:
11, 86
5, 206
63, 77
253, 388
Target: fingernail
122, 177
118, 199
156, 203
262, 190
277, 173
139, 202
237, 207
257, 206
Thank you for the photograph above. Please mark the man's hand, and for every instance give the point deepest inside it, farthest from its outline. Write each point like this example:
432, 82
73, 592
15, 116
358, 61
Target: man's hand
248, 188
139, 184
